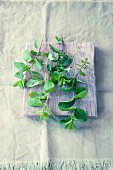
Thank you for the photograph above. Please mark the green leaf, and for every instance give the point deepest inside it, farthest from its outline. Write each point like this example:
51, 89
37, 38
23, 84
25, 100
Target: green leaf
38, 95
69, 126
80, 114
21, 66
67, 69
54, 49
68, 81
66, 60
48, 109
66, 109
79, 65
46, 54
39, 60
74, 125
76, 81
52, 57
66, 105
81, 94
82, 73
38, 65
44, 115
85, 67
61, 81
87, 62
34, 53
48, 67
52, 78
36, 44
37, 111
58, 39
26, 56
57, 75
37, 76
66, 121
34, 102
80, 81
49, 86
19, 75
77, 90
66, 89
32, 82
19, 83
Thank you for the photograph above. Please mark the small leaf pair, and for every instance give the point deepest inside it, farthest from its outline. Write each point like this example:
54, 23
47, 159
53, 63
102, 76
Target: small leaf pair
35, 99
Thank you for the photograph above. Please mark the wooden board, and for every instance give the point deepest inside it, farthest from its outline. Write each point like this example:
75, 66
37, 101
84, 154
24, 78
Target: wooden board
89, 103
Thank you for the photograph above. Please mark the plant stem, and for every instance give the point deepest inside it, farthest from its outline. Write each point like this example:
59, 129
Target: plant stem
38, 51
79, 70
41, 44
62, 44
46, 102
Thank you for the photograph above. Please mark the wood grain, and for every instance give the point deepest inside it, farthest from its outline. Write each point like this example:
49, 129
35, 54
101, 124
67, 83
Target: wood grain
89, 103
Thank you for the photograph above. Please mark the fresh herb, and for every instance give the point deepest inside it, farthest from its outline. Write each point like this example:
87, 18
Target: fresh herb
57, 79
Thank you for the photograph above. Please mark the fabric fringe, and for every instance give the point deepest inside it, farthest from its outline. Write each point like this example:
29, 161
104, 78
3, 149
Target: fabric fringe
60, 165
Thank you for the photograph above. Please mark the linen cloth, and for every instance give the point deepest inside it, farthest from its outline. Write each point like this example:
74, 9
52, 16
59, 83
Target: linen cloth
25, 140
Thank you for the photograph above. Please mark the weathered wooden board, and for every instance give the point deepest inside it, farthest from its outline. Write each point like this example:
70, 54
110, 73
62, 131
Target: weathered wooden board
89, 103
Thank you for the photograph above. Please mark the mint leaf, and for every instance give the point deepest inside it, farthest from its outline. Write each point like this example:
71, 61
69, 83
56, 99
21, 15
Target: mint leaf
66, 60
69, 123
81, 94
38, 95
39, 60
48, 109
77, 90
36, 44
66, 105
82, 73
54, 49
67, 89
46, 54
48, 67
80, 114
36, 75
21, 66
76, 81
69, 126
19, 75
34, 102
59, 40
51, 57
44, 115
57, 75
38, 65
66, 121
34, 53
49, 86
80, 81
68, 81
19, 83
38, 111
66, 109
26, 56
32, 82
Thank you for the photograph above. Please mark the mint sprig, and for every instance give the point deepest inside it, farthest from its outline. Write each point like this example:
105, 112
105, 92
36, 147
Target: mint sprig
57, 63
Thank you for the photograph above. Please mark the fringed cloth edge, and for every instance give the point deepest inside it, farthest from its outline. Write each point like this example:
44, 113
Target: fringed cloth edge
60, 165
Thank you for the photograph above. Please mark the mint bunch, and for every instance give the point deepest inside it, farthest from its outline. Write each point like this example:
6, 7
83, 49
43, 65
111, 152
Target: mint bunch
58, 64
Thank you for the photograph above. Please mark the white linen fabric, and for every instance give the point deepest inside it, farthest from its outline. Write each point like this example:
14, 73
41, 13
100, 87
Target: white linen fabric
27, 140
